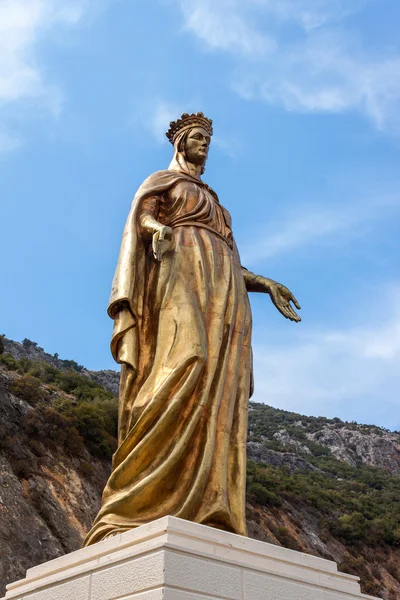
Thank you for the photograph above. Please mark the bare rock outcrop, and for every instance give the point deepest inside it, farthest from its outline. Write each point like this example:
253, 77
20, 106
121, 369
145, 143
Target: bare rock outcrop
258, 452
375, 447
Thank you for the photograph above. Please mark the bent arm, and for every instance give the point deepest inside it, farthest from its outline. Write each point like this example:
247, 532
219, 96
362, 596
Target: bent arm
148, 223
151, 229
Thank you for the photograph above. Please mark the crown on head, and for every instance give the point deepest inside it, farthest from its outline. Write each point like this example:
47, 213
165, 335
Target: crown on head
186, 121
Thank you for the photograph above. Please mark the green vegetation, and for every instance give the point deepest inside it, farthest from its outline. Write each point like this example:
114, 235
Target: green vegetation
265, 420
70, 410
7, 361
28, 388
357, 505
52, 429
29, 344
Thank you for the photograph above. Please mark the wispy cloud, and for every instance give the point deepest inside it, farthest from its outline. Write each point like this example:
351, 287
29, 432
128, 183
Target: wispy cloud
311, 14
323, 66
228, 144
311, 226
350, 372
155, 117
221, 25
23, 25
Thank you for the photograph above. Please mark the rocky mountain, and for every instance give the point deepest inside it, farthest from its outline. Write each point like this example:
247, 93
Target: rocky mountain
317, 485
108, 379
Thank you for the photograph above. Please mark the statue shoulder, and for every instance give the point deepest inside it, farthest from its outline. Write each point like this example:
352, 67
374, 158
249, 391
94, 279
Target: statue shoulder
159, 182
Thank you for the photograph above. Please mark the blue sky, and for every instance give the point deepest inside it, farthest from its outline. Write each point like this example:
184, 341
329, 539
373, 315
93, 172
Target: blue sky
305, 98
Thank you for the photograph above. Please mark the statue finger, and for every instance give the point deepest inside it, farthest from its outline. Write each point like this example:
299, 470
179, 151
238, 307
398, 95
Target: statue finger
289, 313
283, 310
291, 310
297, 305
293, 314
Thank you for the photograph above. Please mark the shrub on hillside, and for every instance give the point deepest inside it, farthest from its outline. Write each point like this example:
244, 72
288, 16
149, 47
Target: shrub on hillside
71, 364
23, 468
259, 494
393, 570
24, 364
81, 386
9, 362
352, 527
28, 388
40, 369
96, 423
284, 536
27, 343
48, 426
86, 469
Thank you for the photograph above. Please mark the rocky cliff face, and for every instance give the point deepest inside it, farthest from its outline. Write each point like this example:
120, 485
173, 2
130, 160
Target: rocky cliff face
348, 442
48, 496
315, 485
371, 446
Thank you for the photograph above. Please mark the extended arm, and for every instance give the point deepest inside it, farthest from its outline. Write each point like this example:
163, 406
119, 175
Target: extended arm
256, 283
280, 295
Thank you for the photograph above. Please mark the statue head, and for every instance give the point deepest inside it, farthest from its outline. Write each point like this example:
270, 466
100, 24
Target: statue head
191, 137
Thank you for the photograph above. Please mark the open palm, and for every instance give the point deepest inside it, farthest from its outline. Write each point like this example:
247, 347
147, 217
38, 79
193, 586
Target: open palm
281, 297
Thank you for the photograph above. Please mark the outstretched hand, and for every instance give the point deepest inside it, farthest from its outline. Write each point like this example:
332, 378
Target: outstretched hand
281, 297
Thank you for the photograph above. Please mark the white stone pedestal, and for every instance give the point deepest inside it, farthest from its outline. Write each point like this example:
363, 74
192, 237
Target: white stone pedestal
172, 559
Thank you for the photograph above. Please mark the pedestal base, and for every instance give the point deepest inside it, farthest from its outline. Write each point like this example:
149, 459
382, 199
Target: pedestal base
172, 559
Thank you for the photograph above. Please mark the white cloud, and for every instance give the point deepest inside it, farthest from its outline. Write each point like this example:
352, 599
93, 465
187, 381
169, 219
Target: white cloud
221, 26
155, 117
320, 67
158, 116
326, 72
352, 373
311, 14
23, 25
227, 144
312, 226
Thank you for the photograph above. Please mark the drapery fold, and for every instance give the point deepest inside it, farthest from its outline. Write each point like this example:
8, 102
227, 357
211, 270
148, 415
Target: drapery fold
182, 331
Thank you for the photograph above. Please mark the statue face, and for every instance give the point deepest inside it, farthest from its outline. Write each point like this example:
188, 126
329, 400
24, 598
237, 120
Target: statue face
197, 144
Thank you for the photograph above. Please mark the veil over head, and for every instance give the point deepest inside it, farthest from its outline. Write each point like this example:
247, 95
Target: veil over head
179, 161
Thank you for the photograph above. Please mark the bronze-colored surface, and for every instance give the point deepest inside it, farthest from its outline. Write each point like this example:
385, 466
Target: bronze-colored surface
182, 333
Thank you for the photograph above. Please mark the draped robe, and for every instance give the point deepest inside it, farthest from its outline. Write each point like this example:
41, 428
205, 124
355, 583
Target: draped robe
183, 337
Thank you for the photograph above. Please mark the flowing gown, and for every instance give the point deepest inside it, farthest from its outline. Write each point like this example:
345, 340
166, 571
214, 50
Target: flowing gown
184, 421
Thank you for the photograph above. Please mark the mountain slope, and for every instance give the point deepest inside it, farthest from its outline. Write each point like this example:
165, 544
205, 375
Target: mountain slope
316, 485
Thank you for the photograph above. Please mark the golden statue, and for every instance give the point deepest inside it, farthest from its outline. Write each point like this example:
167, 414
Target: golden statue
182, 333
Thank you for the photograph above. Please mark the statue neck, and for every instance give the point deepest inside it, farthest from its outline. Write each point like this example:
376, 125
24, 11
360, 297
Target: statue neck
180, 163
194, 170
